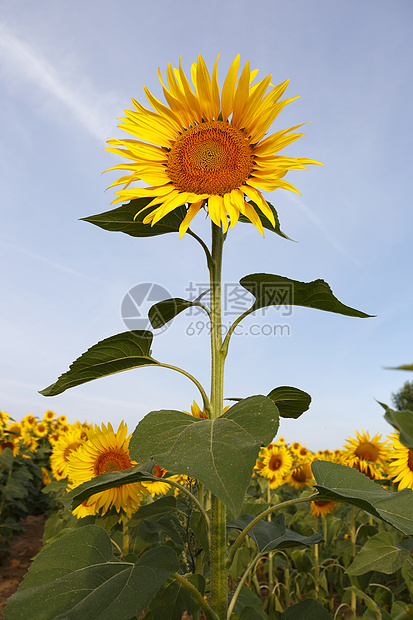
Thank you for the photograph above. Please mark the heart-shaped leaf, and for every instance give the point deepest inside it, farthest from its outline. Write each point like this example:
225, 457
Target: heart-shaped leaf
78, 576
272, 290
220, 453
380, 553
166, 310
122, 219
270, 535
291, 402
121, 352
345, 484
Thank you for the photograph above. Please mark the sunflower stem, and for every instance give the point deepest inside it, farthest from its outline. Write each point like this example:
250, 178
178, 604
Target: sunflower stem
125, 534
219, 572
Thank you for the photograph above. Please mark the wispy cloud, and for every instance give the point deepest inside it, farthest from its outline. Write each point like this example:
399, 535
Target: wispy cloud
53, 264
20, 58
322, 227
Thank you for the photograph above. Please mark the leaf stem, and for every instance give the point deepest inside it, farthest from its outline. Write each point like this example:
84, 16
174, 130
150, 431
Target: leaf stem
261, 516
203, 244
232, 328
205, 399
196, 593
241, 582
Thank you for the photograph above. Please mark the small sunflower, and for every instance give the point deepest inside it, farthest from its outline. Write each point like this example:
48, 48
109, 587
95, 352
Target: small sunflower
319, 507
3, 417
277, 462
105, 451
401, 466
49, 415
66, 444
206, 147
300, 476
159, 488
41, 429
9, 442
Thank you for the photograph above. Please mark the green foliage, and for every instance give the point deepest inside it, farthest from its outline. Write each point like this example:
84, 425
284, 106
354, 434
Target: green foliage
380, 553
122, 219
291, 402
265, 221
267, 288
308, 609
78, 576
403, 399
402, 421
21, 484
271, 535
345, 484
220, 453
121, 352
164, 311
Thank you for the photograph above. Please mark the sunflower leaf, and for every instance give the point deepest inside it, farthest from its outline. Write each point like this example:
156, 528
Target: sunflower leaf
78, 576
308, 609
220, 453
265, 221
270, 535
124, 351
402, 421
344, 484
122, 219
273, 290
291, 402
167, 309
105, 481
380, 553
173, 599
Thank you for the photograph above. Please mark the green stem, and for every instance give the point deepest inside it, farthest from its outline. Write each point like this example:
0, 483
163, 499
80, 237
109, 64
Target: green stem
291, 502
209, 613
205, 398
203, 245
241, 582
353, 536
191, 495
125, 534
232, 328
219, 573
271, 553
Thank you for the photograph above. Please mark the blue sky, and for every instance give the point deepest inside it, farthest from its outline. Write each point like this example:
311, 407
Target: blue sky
67, 72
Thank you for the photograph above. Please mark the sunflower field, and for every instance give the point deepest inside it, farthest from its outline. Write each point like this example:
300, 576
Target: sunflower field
339, 556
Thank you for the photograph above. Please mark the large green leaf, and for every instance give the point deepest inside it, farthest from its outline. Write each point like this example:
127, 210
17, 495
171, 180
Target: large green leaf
220, 453
402, 422
272, 290
247, 600
173, 599
78, 576
122, 219
403, 367
270, 535
105, 481
166, 310
380, 553
265, 221
308, 609
291, 402
345, 484
124, 351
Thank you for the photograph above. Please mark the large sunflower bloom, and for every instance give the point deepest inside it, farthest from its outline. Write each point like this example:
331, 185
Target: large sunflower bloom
105, 451
401, 466
207, 147
277, 462
367, 455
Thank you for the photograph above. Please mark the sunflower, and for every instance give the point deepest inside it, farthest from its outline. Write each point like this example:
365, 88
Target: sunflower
41, 429
159, 488
365, 454
104, 451
300, 476
3, 417
401, 466
49, 415
277, 462
320, 507
66, 444
206, 147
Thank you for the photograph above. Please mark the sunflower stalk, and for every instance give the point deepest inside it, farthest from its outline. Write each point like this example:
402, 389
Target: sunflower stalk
219, 571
